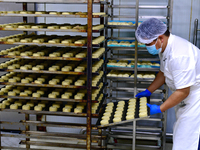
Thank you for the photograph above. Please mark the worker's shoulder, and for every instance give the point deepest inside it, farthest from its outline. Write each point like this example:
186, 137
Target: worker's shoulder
180, 46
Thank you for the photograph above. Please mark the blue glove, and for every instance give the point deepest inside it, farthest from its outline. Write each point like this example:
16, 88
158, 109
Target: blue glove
154, 109
145, 93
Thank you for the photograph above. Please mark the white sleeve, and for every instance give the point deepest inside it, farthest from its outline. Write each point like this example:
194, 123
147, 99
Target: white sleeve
183, 70
161, 63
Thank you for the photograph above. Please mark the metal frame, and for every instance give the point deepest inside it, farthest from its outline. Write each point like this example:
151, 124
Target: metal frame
196, 29
88, 138
136, 49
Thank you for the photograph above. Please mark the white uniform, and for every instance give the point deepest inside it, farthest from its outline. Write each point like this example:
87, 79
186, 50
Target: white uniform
180, 63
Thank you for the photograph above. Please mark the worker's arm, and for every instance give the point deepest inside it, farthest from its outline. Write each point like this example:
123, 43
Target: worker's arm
178, 96
158, 82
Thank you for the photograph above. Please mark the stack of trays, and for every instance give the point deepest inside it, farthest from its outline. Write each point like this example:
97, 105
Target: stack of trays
115, 113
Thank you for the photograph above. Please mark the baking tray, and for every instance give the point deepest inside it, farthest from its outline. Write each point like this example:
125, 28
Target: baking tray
50, 45
52, 72
46, 111
46, 57
47, 99
54, 1
129, 78
53, 86
113, 45
111, 123
50, 30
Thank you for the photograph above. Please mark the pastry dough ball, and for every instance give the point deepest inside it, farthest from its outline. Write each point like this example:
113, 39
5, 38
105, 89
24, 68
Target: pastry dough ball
105, 118
40, 92
143, 99
36, 95
42, 104
120, 105
117, 115
129, 117
38, 108
78, 110
11, 93
119, 109
31, 104
6, 102
29, 92
29, 78
65, 96
13, 106
80, 106
143, 110
121, 102
130, 113
109, 110
119, 112
2, 106
110, 104
52, 82
12, 80
103, 122
117, 119
18, 103
56, 105
132, 100
24, 81
109, 107
143, 107
38, 81
17, 91
143, 114
51, 95
66, 109
53, 108
26, 107
107, 114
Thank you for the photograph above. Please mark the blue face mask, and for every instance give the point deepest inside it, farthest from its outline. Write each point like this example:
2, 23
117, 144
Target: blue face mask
152, 49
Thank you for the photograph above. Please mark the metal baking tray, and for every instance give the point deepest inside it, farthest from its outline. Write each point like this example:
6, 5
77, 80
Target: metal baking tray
47, 99
129, 78
121, 26
132, 69
48, 124
47, 112
52, 86
50, 45
111, 123
51, 15
50, 30
47, 85
51, 58
55, 1
51, 72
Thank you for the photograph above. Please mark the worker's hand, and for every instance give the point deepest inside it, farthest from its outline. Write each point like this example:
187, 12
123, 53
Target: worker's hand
145, 93
154, 109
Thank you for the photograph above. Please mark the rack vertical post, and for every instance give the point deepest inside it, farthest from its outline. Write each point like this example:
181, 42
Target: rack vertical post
89, 73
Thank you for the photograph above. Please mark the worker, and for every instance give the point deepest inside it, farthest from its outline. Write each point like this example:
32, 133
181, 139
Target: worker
180, 70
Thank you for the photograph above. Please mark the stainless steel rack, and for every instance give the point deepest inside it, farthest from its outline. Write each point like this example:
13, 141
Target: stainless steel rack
196, 29
89, 141
120, 85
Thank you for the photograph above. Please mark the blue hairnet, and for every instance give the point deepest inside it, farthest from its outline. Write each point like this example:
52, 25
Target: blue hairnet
149, 30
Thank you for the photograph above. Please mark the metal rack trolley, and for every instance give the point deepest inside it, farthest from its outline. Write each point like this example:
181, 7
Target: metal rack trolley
27, 134
196, 29
135, 53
